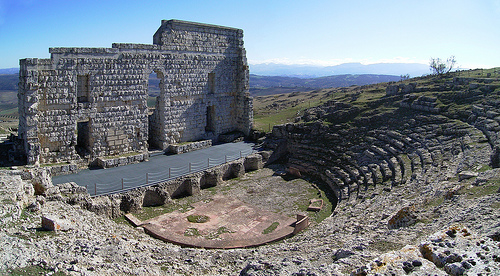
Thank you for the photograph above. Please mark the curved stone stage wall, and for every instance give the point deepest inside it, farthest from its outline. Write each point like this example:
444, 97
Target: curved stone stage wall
115, 205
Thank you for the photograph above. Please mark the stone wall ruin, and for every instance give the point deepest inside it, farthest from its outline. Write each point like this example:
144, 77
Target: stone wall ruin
85, 103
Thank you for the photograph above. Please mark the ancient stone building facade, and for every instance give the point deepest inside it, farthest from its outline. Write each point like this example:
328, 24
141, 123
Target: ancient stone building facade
85, 103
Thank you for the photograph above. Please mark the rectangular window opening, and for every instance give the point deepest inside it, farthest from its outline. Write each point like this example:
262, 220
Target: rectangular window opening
82, 89
211, 83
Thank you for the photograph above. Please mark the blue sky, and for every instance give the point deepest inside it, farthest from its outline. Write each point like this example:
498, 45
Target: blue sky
292, 32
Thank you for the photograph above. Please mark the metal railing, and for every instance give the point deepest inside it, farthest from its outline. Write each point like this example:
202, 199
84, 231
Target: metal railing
153, 178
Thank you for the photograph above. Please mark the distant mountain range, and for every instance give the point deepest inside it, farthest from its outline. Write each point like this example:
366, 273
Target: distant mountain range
268, 85
9, 71
9, 81
312, 71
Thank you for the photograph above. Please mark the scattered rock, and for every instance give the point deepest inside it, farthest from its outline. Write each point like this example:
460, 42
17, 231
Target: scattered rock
53, 223
466, 175
403, 218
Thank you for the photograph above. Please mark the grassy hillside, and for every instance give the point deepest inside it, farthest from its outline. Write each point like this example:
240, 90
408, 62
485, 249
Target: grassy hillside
272, 110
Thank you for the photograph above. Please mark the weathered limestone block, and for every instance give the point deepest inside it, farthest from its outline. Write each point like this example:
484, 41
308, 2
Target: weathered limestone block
53, 223
265, 155
178, 149
155, 196
234, 169
103, 162
211, 178
132, 201
253, 162
101, 205
409, 88
41, 180
466, 175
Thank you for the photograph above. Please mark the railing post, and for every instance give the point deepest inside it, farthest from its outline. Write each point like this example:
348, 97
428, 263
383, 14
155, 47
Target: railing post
225, 158
122, 183
208, 162
95, 188
147, 178
189, 166
241, 155
169, 172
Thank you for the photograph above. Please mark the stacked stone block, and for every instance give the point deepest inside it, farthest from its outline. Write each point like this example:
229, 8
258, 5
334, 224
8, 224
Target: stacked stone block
85, 103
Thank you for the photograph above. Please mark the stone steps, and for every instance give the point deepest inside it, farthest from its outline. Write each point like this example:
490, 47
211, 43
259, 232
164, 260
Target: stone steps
358, 160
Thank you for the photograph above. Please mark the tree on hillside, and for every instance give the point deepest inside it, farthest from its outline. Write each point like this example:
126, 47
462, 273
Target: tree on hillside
440, 67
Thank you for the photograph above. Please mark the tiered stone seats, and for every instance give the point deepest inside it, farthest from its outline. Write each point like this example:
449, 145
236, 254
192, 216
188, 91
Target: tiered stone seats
356, 159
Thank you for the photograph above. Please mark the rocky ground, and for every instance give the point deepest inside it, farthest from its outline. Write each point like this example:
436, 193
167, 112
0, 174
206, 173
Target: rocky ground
417, 182
455, 223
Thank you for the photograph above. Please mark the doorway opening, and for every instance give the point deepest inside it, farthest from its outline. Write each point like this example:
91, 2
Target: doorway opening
155, 95
83, 138
210, 119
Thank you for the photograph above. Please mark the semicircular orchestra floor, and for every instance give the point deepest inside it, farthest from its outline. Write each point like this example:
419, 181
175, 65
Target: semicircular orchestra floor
231, 224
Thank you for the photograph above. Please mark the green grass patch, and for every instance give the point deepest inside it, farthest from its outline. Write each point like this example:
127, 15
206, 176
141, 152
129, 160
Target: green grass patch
271, 228
215, 235
434, 202
318, 193
121, 220
191, 232
54, 164
212, 190
484, 168
154, 211
367, 97
265, 120
31, 270
489, 188
198, 218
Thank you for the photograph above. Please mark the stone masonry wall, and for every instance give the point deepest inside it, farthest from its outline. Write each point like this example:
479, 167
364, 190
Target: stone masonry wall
85, 103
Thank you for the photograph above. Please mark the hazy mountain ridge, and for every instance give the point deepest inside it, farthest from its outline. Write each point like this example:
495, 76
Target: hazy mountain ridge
308, 71
267, 85
9, 71
9, 81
